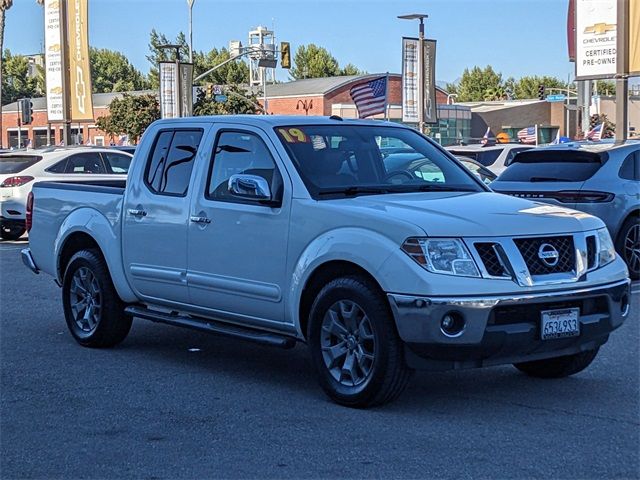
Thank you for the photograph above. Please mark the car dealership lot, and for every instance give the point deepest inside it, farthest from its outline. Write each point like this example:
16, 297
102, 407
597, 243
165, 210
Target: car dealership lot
175, 403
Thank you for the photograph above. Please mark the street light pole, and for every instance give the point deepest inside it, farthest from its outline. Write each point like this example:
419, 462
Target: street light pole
421, 93
190, 3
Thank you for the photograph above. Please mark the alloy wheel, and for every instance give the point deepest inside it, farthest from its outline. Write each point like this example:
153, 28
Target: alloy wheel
85, 300
348, 343
631, 248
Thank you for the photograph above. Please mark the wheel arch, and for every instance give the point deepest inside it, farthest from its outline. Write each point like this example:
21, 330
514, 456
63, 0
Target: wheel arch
319, 277
634, 211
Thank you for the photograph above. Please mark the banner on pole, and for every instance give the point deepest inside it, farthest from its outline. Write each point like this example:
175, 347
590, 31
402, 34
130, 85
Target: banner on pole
430, 106
169, 90
53, 60
78, 57
186, 90
634, 37
410, 78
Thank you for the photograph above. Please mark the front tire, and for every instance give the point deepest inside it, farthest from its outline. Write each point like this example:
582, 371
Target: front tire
628, 246
11, 232
355, 348
93, 311
558, 367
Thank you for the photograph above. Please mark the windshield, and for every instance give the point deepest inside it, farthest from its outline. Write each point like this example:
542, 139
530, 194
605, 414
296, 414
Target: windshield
17, 163
343, 160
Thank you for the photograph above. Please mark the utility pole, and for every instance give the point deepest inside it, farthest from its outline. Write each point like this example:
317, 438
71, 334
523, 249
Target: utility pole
622, 63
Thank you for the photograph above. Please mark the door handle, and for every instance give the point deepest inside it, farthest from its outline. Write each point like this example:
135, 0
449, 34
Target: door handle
137, 213
200, 219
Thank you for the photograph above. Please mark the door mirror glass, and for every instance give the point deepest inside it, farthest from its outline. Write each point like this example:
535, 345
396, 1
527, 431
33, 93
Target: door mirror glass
250, 187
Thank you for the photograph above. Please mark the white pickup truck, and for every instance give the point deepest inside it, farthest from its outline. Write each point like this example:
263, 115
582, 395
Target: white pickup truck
292, 229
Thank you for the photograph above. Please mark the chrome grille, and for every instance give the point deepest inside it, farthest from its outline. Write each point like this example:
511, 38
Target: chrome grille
591, 251
529, 248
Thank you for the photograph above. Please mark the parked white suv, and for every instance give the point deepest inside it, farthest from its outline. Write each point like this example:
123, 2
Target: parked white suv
19, 171
285, 229
494, 157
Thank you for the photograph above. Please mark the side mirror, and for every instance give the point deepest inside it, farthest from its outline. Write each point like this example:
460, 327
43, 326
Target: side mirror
250, 187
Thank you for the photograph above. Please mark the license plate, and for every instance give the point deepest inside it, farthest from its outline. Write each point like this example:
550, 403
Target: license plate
560, 323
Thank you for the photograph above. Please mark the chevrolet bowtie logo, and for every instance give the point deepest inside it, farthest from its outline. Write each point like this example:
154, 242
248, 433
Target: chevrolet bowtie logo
600, 28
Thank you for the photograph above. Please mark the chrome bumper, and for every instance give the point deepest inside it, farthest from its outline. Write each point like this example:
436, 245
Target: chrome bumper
505, 329
27, 259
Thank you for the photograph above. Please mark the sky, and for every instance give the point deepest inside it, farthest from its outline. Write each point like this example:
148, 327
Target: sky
516, 37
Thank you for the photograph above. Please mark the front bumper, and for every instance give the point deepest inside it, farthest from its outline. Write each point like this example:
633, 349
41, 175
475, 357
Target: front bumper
504, 329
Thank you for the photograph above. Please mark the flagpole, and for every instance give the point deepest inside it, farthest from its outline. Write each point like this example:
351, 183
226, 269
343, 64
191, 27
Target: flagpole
386, 99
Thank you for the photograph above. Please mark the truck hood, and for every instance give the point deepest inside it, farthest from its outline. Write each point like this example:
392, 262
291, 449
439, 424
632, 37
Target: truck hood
484, 214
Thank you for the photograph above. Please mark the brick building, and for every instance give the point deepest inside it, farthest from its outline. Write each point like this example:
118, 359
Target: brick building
313, 96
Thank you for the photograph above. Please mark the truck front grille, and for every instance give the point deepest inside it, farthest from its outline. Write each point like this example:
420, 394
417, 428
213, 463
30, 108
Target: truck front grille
530, 250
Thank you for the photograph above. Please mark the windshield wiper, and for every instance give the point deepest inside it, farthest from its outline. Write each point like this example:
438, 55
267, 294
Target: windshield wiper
352, 190
431, 188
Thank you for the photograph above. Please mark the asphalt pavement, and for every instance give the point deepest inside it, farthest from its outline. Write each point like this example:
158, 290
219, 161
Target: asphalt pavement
173, 403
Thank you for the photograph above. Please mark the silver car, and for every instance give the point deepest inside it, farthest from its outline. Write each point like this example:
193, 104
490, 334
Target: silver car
602, 179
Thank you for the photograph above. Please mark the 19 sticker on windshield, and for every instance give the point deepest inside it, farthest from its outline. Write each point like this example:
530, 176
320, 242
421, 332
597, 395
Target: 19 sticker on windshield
293, 135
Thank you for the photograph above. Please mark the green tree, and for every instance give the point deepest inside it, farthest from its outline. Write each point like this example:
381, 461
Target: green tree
16, 82
311, 61
112, 72
157, 54
130, 115
238, 101
351, 69
606, 87
477, 82
495, 93
234, 72
4, 6
527, 87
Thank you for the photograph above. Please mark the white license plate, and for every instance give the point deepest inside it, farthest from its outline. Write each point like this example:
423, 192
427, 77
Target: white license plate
560, 323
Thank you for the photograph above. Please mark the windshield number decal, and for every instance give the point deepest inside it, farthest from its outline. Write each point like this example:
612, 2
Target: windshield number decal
293, 135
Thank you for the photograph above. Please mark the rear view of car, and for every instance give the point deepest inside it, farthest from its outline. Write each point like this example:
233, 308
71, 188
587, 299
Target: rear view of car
14, 176
603, 180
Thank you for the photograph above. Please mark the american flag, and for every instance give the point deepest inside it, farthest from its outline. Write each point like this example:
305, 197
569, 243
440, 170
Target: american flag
370, 97
595, 133
528, 135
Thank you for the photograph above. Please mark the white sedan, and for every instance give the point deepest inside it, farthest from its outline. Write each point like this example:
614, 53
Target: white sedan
19, 170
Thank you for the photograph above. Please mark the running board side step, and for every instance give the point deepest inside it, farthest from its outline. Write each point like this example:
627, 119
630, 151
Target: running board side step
211, 326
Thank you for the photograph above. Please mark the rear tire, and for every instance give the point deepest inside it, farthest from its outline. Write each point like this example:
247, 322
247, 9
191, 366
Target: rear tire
14, 232
558, 367
628, 245
355, 348
93, 311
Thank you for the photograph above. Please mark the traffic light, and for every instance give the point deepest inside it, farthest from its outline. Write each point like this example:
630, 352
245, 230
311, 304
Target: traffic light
26, 111
540, 92
285, 55
209, 90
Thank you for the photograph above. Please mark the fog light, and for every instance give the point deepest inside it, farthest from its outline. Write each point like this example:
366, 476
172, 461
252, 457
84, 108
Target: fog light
452, 324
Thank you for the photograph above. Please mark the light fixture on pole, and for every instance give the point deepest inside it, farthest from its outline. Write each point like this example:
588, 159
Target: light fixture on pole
420, 17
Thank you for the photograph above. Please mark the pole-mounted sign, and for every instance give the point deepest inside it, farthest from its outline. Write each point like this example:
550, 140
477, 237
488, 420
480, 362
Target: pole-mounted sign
54, 71
78, 56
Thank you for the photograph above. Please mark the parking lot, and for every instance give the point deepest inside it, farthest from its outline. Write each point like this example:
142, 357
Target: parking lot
173, 403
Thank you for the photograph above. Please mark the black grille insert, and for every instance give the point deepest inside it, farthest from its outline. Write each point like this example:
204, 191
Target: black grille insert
489, 257
530, 249
591, 251
531, 313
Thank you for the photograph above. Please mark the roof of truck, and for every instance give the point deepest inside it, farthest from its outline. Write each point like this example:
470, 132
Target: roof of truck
278, 120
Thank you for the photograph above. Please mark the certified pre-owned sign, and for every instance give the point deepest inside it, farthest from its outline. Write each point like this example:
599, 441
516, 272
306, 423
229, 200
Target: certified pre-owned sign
79, 73
596, 38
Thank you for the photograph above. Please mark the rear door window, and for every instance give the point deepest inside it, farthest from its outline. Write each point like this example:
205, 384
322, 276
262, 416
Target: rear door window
169, 168
630, 169
552, 166
17, 163
488, 157
86, 163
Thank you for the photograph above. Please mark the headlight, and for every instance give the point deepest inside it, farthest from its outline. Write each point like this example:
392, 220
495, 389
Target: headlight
606, 253
442, 255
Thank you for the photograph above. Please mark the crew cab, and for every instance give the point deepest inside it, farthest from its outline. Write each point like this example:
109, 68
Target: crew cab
280, 230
